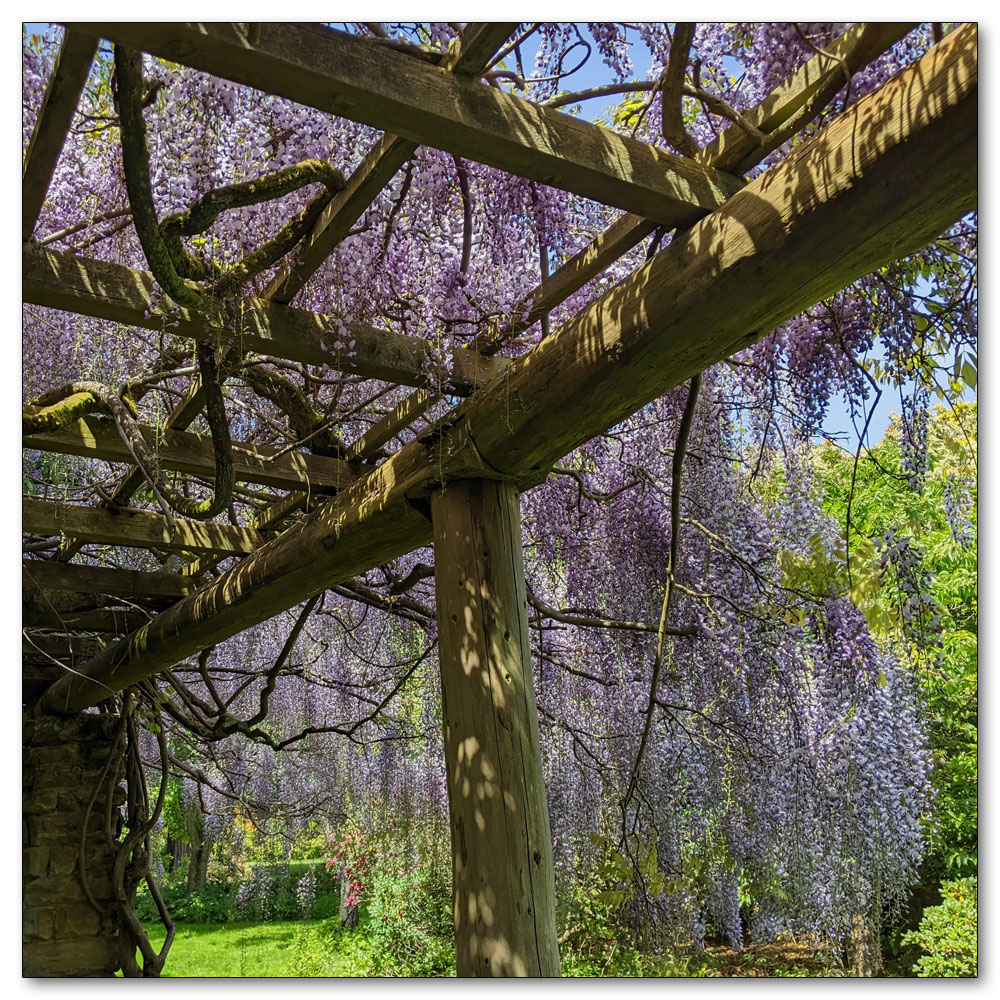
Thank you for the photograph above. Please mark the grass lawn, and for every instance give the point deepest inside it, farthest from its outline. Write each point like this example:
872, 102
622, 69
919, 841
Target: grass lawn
317, 948
279, 948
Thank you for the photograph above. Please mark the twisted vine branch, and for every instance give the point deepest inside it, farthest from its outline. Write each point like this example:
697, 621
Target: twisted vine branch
170, 264
680, 449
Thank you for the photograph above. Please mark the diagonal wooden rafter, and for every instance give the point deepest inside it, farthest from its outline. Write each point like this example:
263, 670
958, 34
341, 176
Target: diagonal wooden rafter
857, 47
182, 451
884, 178
475, 48
139, 528
357, 78
69, 75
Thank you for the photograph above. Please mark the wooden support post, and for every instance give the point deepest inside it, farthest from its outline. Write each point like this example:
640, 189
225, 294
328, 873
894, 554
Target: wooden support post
504, 887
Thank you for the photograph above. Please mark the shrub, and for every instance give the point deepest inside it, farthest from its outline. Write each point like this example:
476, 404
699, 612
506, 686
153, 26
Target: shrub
407, 897
214, 903
324, 948
300, 890
949, 933
596, 939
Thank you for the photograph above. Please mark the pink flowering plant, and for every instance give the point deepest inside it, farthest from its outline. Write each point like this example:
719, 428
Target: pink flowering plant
351, 857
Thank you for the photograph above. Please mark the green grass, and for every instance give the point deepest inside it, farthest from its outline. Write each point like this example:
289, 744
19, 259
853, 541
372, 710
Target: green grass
279, 948
316, 948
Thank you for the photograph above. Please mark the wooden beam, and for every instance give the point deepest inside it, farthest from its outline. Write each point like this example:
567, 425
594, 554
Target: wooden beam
177, 419
192, 454
65, 648
270, 518
110, 291
858, 46
43, 574
478, 43
139, 528
62, 94
107, 621
880, 182
476, 46
357, 78
400, 416
347, 206
503, 883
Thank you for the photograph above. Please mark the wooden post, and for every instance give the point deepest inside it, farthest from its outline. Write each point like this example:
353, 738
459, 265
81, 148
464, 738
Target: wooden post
504, 886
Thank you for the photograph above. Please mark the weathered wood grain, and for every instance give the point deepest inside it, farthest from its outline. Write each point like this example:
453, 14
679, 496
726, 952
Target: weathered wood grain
111, 291
880, 182
138, 528
192, 454
503, 882
357, 78
40, 574
62, 94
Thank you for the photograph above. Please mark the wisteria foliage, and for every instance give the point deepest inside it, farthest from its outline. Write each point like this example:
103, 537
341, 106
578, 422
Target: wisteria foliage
786, 776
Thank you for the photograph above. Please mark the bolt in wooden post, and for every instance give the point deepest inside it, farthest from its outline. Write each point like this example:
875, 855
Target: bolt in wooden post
504, 887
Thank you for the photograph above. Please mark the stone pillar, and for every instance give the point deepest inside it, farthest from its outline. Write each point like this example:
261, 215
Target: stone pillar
63, 935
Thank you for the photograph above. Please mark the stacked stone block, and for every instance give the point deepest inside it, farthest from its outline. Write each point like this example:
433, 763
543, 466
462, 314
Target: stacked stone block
62, 933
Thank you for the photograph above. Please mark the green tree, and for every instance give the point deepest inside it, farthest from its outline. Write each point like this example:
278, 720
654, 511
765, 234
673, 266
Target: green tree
937, 634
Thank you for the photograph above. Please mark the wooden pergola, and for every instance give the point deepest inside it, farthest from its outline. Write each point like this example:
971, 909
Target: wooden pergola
883, 179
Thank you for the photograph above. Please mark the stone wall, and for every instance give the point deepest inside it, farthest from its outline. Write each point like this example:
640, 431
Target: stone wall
63, 935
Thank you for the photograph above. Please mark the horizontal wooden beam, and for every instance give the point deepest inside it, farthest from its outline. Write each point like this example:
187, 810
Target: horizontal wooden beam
62, 94
357, 78
65, 648
880, 182
107, 621
138, 528
110, 291
43, 574
192, 454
